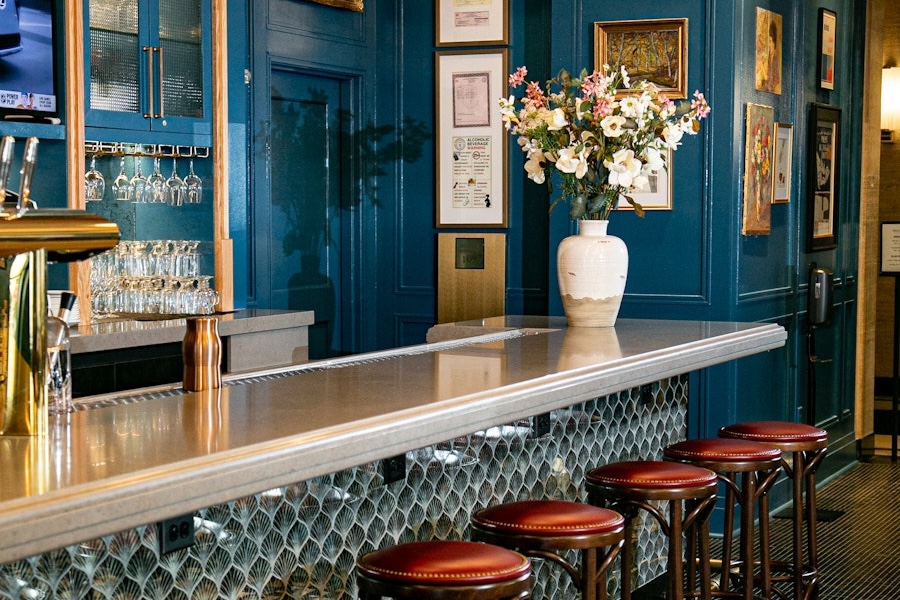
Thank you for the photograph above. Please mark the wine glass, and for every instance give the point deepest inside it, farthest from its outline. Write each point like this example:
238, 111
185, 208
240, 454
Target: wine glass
193, 186
94, 184
138, 183
156, 185
175, 186
123, 191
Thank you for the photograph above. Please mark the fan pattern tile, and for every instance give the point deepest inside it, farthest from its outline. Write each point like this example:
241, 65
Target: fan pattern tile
302, 541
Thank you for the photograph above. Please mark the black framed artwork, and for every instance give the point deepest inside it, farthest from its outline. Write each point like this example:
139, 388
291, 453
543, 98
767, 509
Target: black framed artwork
824, 162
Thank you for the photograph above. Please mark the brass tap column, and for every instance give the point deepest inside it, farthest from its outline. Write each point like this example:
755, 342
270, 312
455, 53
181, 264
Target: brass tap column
23, 309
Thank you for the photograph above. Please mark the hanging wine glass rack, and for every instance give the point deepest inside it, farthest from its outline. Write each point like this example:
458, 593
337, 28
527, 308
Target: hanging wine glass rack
100, 149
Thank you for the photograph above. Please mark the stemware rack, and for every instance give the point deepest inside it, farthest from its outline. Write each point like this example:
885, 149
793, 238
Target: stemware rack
100, 149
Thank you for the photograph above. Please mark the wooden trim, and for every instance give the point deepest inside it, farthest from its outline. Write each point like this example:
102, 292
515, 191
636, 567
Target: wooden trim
79, 272
224, 268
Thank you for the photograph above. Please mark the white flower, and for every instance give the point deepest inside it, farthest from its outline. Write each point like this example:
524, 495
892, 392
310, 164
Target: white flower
653, 160
571, 162
641, 183
534, 166
672, 134
631, 107
612, 126
555, 119
623, 168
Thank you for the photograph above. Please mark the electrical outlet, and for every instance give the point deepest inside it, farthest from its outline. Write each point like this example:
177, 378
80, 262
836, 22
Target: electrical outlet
393, 469
540, 425
175, 534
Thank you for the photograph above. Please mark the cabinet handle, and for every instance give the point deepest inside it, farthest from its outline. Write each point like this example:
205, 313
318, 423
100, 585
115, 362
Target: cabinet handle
150, 91
162, 95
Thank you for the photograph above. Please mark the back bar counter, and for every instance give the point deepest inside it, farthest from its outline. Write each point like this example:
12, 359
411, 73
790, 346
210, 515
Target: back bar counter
284, 470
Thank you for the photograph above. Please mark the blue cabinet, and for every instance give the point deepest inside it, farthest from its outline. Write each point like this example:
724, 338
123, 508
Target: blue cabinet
148, 69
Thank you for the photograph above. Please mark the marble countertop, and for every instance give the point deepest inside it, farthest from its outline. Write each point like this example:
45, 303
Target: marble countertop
138, 458
115, 334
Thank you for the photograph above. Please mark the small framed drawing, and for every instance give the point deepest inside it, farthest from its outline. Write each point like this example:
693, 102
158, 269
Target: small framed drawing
824, 145
783, 158
827, 35
471, 22
471, 141
659, 196
654, 50
757, 213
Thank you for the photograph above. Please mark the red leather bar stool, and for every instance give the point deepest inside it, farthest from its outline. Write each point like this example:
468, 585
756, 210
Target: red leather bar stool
807, 446
687, 491
546, 528
758, 465
443, 570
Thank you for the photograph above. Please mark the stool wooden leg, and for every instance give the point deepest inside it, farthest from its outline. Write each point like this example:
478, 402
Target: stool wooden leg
812, 592
748, 497
589, 578
764, 538
630, 513
797, 481
676, 550
727, 535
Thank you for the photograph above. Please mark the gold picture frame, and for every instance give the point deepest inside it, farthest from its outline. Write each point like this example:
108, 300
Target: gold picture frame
354, 5
758, 180
666, 66
782, 163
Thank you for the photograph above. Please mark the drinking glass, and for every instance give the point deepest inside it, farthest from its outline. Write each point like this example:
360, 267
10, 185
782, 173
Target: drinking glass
157, 192
94, 184
123, 191
138, 183
193, 186
175, 186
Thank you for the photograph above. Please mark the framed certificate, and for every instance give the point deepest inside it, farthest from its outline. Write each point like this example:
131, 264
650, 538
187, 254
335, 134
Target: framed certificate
471, 140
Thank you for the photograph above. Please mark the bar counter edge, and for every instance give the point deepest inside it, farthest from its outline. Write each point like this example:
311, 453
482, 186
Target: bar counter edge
40, 521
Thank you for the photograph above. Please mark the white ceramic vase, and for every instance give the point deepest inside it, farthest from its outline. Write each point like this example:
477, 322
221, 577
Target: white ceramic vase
592, 268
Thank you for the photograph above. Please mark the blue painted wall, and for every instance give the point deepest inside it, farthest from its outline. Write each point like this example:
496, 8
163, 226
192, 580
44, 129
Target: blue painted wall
688, 263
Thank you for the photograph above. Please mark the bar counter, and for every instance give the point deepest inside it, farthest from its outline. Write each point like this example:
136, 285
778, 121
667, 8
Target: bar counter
125, 460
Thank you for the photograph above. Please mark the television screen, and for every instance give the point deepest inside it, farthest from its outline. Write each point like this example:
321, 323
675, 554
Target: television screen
27, 59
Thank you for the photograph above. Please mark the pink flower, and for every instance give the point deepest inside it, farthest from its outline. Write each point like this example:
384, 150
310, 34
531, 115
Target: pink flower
699, 105
536, 94
516, 79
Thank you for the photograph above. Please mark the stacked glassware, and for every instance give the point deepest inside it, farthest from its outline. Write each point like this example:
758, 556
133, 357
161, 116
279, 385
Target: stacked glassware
153, 277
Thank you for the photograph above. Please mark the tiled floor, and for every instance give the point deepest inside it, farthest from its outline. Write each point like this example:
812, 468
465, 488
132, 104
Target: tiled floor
858, 551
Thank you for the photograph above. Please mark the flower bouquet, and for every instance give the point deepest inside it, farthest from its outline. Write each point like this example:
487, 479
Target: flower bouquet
602, 147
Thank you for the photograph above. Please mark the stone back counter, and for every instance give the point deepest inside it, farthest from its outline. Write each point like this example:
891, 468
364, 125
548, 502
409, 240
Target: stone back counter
281, 468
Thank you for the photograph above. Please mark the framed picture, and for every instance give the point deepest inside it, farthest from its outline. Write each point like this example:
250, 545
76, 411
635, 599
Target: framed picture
356, 5
824, 144
471, 141
827, 34
782, 161
890, 248
757, 213
659, 196
470, 22
768, 51
652, 50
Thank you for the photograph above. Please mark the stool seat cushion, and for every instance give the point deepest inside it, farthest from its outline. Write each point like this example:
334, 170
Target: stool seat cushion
722, 450
651, 474
444, 563
549, 517
776, 432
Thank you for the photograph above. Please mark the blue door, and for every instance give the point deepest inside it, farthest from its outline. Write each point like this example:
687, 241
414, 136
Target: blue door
298, 225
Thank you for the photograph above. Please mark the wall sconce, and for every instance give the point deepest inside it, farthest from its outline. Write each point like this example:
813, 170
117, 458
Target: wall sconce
890, 103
